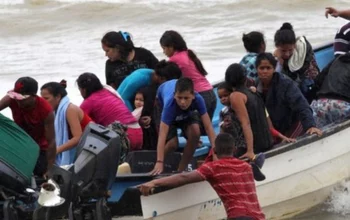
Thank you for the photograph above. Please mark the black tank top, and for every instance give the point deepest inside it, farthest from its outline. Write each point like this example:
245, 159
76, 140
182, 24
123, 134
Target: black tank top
258, 122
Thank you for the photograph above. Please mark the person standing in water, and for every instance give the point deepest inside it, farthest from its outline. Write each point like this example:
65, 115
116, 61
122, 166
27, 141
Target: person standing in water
35, 116
124, 57
231, 178
70, 121
174, 47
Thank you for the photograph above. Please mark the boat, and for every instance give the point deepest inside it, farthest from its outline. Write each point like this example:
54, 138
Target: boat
299, 176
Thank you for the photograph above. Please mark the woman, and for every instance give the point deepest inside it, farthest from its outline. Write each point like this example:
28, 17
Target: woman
174, 47
105, 107
296, 59
124, 57
249, 126
289, 111
70, 121
254, 43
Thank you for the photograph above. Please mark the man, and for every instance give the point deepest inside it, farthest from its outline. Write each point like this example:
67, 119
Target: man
231, 178
35, 116
342, 38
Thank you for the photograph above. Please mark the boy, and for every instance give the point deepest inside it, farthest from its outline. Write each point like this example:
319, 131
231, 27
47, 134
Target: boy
231, 178
182, 108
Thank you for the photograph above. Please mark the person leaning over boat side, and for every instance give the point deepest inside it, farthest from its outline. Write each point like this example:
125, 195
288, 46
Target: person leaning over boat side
105, 107
231, 178
174, 47
35, 116
254, 43
333, 98
70, 121
124, 57
342, 38
182, 108
296, 59
251, 130
289, 111
226, 114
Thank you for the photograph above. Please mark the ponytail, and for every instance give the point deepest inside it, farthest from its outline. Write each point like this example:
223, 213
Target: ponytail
197, 62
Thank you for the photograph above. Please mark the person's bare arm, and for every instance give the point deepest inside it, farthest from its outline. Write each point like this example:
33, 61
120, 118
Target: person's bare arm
163, 132
171, 181
337, 13
75, 129
50, 137
238, 101
5, 102
209, 129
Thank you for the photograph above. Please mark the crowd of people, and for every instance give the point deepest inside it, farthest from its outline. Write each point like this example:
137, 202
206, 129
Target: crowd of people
268, 98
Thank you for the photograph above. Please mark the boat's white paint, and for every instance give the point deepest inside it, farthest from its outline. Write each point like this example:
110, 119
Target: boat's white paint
296, 181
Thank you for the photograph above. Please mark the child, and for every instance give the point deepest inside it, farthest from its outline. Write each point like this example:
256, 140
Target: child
175, 47
226, 126
182, 108
139, 101
232, 179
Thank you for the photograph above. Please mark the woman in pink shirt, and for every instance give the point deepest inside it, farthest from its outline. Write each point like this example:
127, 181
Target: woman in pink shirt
174, 47
104, 107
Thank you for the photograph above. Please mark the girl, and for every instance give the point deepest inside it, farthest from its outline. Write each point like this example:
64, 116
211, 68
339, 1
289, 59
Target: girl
124, 57
70, 121
139, 101
174, 47
254, 43
289, 110
105, 108
296, 59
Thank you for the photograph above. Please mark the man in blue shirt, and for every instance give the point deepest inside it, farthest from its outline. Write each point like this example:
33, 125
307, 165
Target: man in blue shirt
182, 108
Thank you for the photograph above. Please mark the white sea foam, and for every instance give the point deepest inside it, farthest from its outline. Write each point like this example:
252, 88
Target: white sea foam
339, 201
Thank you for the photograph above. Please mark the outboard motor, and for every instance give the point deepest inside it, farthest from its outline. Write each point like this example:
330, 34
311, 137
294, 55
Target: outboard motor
85, 184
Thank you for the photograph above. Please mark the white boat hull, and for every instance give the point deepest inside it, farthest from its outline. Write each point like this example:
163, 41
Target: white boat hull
296, 181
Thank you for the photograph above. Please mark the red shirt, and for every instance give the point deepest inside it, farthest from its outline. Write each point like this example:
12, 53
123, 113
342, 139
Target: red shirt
233, 181
32, 121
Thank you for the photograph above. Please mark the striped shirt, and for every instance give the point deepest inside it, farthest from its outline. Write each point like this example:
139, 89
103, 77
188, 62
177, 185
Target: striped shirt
342, 40
233, 181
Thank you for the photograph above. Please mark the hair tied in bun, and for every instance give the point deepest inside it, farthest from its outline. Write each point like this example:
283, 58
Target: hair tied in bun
63, 83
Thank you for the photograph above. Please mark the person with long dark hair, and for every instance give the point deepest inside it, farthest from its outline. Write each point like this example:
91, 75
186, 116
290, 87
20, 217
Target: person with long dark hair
175, 47
124, 57
106, 107
250, 128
